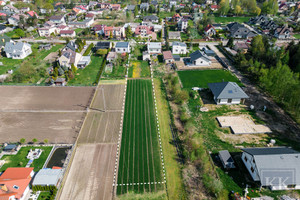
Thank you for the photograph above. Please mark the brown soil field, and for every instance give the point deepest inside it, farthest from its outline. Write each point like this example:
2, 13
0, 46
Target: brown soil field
101, 127
45, 98
109, 97
56, 127
91, 173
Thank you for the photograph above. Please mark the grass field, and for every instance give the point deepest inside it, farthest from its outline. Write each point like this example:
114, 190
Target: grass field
88, 75
297, 36
139, 157
139, 69
201, 78
230, 19
20, 160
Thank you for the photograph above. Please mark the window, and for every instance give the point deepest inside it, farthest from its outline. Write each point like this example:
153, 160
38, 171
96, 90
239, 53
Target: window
16, 187
246, 159
229, 100
219, 100
291, 186
252, 170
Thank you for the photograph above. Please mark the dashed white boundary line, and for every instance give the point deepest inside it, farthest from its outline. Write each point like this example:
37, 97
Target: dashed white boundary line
149, 183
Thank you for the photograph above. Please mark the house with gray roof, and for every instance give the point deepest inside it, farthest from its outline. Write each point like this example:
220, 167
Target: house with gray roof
48, 177
199, 58
122, 47
174, 35
131, 8
144, 6
238, 30
154, 47
151, 18
275, 167
226, 159
227, 93
179, 48
17, 50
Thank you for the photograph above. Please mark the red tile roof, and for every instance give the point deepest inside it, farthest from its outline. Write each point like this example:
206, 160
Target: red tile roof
167, 55
209, 26
67, 32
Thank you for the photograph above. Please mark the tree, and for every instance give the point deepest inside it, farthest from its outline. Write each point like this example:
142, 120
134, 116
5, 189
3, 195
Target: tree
46, 141
20, 32
110, 35
230, 42
128, 32
257, 48
224, 7
238, 10
173, 8
73, 68
22, 140
136, 11
34, 140
270, 7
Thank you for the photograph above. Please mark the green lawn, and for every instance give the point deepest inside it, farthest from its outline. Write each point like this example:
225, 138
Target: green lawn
139, 156
201, 78
230, 19
20, 160
44, 196
165, 14
119, 71
297, 36
88, 76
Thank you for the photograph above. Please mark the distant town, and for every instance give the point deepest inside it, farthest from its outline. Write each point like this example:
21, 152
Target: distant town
150, 100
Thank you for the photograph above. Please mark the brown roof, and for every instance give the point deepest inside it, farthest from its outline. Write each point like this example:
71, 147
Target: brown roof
167, 55
66, 31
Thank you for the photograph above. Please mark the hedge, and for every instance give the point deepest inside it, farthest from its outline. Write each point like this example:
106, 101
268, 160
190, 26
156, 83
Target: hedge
88, 50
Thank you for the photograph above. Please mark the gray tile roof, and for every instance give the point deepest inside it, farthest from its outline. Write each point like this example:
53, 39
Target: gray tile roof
198, 54
15, 48
150, 18
225, 156
272, 163
227, 90
131, 7
182, 44
47, 177
122, 45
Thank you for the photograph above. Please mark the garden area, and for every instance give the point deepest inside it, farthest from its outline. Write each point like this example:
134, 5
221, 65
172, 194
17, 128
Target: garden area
226, 20
139, 69
116, 69
20, 160
200, 78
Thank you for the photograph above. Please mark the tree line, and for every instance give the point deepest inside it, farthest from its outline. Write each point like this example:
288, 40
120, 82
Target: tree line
275, 69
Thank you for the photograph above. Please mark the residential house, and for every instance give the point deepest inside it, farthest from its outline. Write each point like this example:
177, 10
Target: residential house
48, 177
179, 48
209, 30
69, 57
199, 58
240, 31
227, 93
111, 56
154, 3
19, 50
197, 16
151, 18
11, 8
116, 7
99, 29
32, 14
58, 19
269, 25
130, 8
183, 24
80, 9
105, 6
115, 32
174, 35
102, 45
154, 47
59, 7
67, 33
3, 29
226, 159
214, 7
47, 31
83, 62
81, 24
275, 167
15, 183
144, 6
93, 4
24, 10
146, 56
122, 47
168, 57
283, 32
60, 82
143, 31
176, 17
172, 3
15, 19
90, 16
241, 46
258, 20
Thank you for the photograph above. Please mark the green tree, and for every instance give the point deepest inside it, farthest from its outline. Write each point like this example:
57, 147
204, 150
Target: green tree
22, 140
34, 140
128, 32
136, 11
73, 68
173, 8
224, 7
20, 32
257, 48
110, 35
46, 141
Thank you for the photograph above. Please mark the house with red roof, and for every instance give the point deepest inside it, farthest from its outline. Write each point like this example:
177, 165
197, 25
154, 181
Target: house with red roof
209, 30
67, 33
116, 32
32, 14
214, 7
116, 7
143, 31
14, 183
168, 57
176, 17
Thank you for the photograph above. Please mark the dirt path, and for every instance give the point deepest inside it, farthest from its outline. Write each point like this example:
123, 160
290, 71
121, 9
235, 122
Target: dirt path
278, 121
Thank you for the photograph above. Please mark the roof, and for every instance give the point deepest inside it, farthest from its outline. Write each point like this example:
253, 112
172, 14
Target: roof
15, 48
16, 173
130, 7
150, 17
167, 55
241, 45
269, 151
102, 45
182, 44
225, 156
9, 147
71, 45
47, 177
56, 17
66, 31
154, 45
198, 54
208, 27
122, 45
227, 90
275, 162
174, 34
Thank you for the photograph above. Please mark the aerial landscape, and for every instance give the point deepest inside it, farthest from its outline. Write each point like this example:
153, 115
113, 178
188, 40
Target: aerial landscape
150, 99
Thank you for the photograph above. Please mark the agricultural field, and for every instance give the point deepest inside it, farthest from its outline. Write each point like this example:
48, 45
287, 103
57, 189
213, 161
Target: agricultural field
20, 160
139, 165
89, 76
201, 78
139, 69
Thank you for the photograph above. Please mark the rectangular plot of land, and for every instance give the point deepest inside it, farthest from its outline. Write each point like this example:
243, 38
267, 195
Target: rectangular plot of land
45, 98
139, 165
91, 174
101, 127
56, 127
242, 125
109, 97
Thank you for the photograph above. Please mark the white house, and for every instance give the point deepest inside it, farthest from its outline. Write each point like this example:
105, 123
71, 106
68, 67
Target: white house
47, 31
58, 19
277, 167
68, 58
67, 33
199, 58
178, 48
227, 93
154, 47
183, 24
172, 3
48, 177
122, 47
209, 30
19, 50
